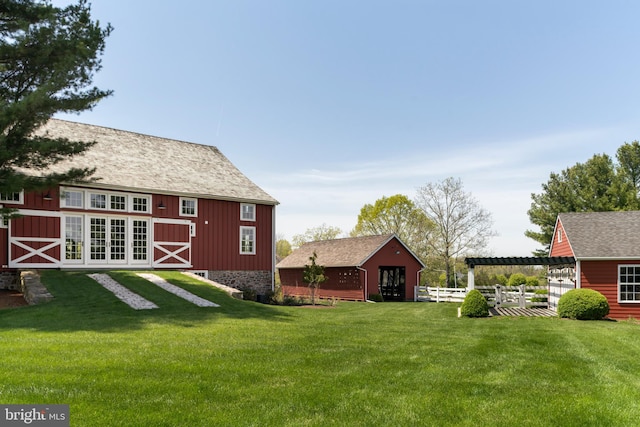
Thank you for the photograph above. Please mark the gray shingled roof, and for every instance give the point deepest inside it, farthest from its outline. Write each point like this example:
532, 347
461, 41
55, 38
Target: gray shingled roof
132, 161
603, 234
347, 252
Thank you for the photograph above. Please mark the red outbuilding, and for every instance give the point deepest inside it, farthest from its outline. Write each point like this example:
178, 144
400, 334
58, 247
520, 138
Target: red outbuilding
606, 248
356, 268
156, 203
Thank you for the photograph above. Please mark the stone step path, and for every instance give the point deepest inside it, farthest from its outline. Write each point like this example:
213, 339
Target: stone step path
158, 281
132, 299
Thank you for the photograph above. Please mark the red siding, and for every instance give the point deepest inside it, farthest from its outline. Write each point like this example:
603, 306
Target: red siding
393, 254
216, 245
603, 277
349, 282
560, 245
343, 283
4, 253
35, 227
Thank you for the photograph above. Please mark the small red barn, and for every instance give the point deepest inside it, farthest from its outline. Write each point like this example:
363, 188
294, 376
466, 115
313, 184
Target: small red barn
356, 268
606, 247
156, 203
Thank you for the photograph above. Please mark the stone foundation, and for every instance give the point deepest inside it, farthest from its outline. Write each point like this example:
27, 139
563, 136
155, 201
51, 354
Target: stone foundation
9, 280
257, 281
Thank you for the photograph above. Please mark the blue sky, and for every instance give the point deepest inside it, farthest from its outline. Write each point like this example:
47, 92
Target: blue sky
329, 105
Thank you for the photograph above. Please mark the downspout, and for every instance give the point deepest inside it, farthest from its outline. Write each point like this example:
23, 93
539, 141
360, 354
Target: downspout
366, 283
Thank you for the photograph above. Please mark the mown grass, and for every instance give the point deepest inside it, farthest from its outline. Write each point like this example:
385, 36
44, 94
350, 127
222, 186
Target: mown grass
356, 364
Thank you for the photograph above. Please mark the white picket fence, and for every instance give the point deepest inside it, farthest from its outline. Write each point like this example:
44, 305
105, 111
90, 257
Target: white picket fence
497, 296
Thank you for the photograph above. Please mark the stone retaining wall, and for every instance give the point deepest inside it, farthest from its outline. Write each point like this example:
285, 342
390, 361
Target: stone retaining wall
32, 288
257, 281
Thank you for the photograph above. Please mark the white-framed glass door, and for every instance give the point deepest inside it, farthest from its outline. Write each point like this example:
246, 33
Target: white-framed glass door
139, 253
106, 240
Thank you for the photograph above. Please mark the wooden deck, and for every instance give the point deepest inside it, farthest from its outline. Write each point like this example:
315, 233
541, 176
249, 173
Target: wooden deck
527, 312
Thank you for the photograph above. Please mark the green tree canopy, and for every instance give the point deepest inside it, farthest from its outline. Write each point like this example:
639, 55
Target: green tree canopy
597, 185
322, 232
396, 214
48, 56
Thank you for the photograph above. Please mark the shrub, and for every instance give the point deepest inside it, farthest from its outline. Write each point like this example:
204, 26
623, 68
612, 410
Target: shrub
375, 298
532, 281
583, 304
517, 279
474, 305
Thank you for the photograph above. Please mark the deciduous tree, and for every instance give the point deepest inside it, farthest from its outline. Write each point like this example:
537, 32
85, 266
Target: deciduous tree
322, 232
48, 57
313, 276
461, 224
396, 214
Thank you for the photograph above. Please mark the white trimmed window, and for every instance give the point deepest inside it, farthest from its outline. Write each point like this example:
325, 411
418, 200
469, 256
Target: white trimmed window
247, 240
140, 203
72, 199
97, 201
247, 212
188, 206
15, 197
629, 283
4, 222
117, 202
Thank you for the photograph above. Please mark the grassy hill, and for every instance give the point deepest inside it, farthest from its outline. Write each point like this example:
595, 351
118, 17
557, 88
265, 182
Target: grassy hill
356, 364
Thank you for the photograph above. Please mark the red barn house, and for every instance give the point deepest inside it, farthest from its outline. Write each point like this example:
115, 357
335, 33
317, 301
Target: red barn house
156, 203
356, 268
606, 248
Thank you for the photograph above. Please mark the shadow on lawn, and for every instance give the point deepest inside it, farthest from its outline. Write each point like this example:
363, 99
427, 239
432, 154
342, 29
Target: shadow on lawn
81, 304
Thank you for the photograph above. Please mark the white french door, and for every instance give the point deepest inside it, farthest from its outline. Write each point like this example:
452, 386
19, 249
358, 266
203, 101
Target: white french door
110, 240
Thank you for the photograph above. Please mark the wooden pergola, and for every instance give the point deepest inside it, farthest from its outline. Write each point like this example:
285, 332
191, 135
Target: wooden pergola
555, 261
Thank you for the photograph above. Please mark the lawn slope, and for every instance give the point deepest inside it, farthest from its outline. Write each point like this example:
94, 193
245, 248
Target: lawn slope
357, 364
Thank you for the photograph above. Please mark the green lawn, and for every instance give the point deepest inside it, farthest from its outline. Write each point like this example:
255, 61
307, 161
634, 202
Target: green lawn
357, 364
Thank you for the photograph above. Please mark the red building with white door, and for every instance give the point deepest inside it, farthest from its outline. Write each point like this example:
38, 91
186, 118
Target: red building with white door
156, 203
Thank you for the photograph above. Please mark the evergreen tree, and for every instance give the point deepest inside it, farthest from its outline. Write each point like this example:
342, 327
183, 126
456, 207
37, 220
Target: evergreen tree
48, 56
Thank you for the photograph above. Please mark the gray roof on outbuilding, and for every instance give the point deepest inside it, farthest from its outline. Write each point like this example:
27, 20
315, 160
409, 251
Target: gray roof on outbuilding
136, 162
603, 234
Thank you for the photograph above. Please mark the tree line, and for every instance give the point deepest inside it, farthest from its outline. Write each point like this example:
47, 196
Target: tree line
441, 224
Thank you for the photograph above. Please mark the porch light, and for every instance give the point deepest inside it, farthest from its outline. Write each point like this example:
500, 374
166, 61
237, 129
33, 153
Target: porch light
161, 206
47, 196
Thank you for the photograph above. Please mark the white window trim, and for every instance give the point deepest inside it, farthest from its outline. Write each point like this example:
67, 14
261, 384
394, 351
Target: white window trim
253, 231
63, 199
86, 200
620, 300
253, 216
195, 207
20, 200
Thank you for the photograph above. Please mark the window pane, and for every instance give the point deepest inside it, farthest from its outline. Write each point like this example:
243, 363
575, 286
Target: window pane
140, 204
98, 201
73, 199
73, 238
118, 203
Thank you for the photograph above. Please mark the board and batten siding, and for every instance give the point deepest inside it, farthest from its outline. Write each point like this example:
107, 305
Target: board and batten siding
393, 254
346, 283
